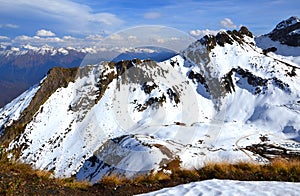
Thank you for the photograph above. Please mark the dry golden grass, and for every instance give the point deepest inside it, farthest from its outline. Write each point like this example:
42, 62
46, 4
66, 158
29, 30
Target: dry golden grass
113, 179
161, 176
71, 183
21, 178
279, 170
151, 178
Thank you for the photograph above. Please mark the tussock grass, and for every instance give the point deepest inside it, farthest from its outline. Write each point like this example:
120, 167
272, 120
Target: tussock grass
114, 180
18, 178
73, 184
277, 170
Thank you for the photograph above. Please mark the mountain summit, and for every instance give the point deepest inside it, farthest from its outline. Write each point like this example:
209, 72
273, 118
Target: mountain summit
291, 22
284, 39
221, 99
287, 32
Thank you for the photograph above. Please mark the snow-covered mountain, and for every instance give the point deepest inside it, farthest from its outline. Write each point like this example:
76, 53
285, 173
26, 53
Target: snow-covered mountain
221, 99
43, 50
23, 66
284, 39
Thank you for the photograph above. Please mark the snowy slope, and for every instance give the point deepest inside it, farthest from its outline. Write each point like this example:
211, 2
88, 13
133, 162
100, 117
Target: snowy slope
284, 39
283, 51
265, 41
13, 110
210, 103
43, 50
230, 187
287, 23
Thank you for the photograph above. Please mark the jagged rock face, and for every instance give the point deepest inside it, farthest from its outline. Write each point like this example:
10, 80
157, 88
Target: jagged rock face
56, 78
287, 32
226, 37
283, 40
131, 117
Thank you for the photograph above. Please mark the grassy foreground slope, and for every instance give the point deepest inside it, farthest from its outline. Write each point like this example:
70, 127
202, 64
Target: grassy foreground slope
21, 179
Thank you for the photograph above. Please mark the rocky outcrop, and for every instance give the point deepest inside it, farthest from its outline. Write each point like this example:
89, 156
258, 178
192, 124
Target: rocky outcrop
56, 78
227, 37
137, 116
287, 32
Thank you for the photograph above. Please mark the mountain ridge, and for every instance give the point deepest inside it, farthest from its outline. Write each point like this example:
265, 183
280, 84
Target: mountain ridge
133, 117
22, 67
283, 39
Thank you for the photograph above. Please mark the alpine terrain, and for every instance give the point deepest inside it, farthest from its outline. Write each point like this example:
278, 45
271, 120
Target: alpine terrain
223, 98
22, 67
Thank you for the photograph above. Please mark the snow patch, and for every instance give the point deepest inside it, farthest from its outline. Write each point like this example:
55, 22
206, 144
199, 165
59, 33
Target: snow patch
230, 187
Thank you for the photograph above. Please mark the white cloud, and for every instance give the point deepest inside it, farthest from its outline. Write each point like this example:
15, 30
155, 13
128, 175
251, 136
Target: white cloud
45, 33
160, 40
152, 15
64, 41
13, 26
105, 18
175, 38
132, 37
22, 38
68, 37
200, 33
72, 16
227, 23
94, 37
36, 40
4, 37
116, 37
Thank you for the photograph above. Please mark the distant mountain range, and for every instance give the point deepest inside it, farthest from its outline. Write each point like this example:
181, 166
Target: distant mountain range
21, 68
223, 98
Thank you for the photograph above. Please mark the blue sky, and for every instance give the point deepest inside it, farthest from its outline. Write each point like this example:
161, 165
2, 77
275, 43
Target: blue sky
81, 18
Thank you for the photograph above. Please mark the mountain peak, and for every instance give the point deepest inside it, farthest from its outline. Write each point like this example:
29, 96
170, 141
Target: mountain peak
226, 37
287, 32
286, 23
220, 99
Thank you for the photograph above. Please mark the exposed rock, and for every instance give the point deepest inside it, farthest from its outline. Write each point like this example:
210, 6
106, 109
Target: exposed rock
272, 49
57, 77
147, 88
225, 37
245, 31
283, 32
271, 151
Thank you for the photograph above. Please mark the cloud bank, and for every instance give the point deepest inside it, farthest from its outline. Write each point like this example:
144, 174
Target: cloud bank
45, 33
72, 16
227, 23
197, 33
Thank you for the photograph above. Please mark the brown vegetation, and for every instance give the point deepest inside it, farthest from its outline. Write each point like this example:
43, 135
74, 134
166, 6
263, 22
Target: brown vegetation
21, 179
